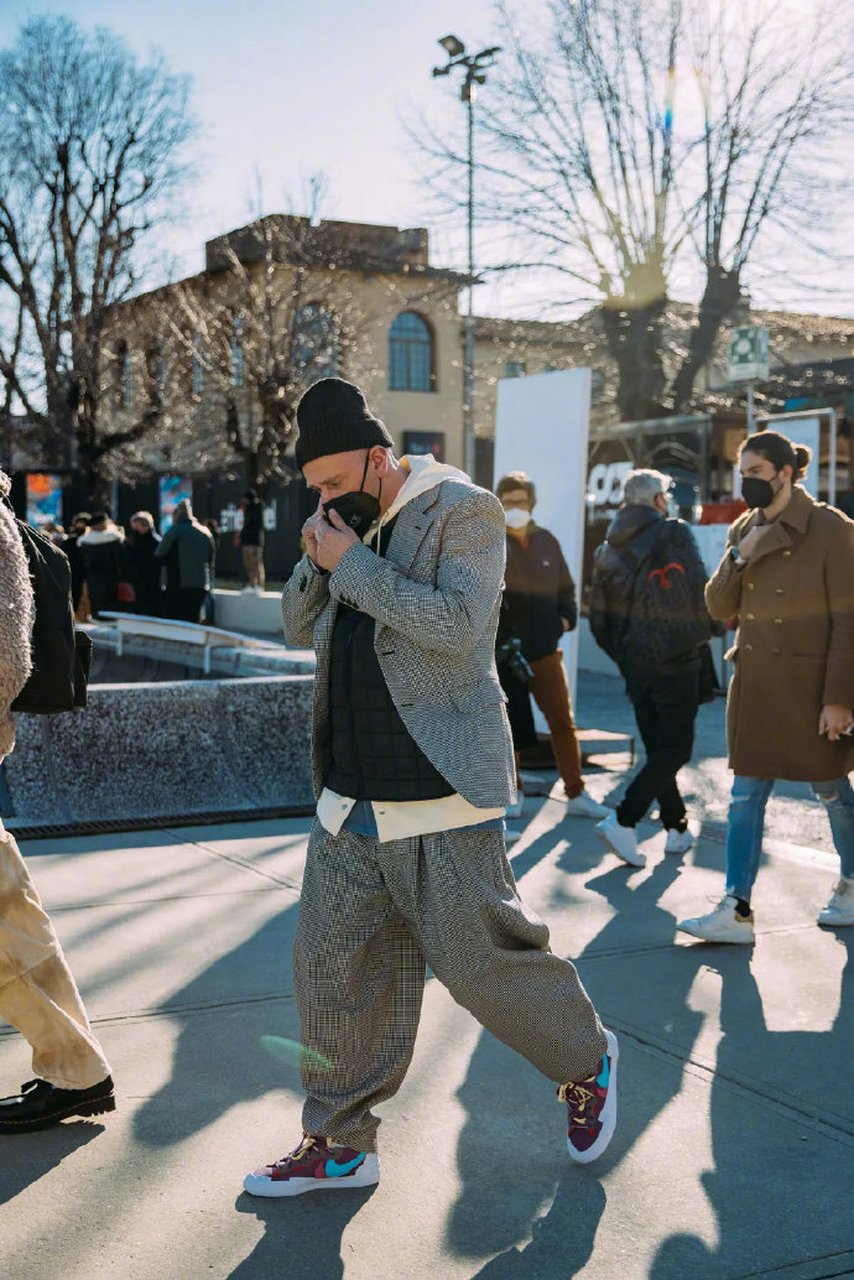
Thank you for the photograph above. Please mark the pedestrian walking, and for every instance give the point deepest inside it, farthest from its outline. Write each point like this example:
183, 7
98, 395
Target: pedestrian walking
250, 539
187, 549
647, 612
788, 575
71, 547
102, 549
399, 593
38, 994
539, 606
144, 570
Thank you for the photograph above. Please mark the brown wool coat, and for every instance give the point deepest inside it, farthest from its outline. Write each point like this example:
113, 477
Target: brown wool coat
794, 649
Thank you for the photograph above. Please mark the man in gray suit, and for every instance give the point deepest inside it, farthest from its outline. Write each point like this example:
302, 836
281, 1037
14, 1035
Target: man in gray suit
399, 593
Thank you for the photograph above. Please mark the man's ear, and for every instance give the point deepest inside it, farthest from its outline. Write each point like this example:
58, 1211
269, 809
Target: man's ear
380, 460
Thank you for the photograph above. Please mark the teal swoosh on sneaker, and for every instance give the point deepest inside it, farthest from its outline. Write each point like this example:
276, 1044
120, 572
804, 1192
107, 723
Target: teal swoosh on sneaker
334, 1170
604, 1077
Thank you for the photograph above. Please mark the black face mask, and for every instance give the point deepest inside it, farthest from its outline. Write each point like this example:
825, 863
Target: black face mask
756, 492
357, 509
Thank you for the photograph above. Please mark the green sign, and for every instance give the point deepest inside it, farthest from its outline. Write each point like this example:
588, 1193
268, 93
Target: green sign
748, 354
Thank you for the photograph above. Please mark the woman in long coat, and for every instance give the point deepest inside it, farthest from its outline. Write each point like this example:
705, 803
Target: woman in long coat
788, 575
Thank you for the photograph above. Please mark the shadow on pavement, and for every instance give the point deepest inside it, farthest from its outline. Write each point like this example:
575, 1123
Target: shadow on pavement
215, 1068
780, 1189
24, 1158
562, 1240
302, 1236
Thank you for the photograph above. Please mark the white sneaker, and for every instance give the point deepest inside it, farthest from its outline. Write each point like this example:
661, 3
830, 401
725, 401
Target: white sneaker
515, 810
840, 909
621, 840
721, 925
584, 806
678, 841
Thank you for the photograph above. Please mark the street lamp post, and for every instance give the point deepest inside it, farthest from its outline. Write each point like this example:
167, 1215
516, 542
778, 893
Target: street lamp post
475, 66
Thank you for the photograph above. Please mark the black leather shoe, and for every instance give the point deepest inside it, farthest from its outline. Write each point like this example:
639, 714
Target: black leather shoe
40, 1105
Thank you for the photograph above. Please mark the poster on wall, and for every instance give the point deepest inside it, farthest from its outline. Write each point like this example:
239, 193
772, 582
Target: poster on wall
173, 489
44, 499
418, 443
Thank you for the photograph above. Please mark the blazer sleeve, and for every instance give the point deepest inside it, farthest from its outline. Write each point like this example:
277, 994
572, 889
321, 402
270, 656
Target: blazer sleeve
839, 580
452, 615
303, 596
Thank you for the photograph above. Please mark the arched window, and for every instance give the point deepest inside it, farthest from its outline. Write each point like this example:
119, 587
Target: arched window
197, 375
410, 354
124, 376
237, 352
315, 343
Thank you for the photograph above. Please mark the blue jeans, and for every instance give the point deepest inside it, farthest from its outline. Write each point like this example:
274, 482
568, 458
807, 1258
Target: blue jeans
747, 816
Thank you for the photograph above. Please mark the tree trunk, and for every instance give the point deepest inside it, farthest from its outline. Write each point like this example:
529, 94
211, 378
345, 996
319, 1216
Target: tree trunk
634, 340
720, 299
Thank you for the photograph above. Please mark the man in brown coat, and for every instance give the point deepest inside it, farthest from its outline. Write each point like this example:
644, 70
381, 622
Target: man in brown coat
788, 574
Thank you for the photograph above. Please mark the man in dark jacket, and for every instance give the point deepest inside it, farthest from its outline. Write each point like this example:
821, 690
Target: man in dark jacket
538, 607
144, 569
642, 544
251, 541
188, 550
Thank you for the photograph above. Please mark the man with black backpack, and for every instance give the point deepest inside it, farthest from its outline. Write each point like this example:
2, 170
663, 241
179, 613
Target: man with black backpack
41, 670
648, 613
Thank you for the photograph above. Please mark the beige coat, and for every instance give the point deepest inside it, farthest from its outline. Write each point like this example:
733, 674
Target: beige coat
794, 649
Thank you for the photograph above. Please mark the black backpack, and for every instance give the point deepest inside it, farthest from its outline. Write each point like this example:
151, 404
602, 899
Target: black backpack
665, 622
61, 655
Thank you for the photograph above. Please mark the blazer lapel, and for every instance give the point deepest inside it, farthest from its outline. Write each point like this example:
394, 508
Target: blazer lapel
411, 528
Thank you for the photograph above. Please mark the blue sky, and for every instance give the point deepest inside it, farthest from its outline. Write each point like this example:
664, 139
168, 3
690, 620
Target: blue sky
287, 88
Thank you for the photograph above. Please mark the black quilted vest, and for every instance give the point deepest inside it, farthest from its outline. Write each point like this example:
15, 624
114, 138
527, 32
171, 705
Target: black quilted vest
374, 756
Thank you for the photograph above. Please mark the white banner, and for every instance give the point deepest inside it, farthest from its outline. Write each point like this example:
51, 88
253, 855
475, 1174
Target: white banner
542, 427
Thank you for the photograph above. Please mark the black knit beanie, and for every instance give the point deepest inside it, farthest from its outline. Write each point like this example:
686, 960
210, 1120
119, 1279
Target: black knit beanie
333, 417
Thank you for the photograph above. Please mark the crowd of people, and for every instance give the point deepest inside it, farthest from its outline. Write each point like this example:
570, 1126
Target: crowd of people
135, 570
426, 664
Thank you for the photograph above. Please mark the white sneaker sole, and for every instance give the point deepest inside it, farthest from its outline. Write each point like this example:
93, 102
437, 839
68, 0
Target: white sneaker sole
608, 1118
367, 1175
636, 860
738, 937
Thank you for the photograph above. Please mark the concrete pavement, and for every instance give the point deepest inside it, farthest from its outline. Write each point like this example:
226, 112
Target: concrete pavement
734, 1154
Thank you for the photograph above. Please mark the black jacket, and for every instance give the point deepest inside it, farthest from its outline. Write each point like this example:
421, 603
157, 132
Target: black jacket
252, 533
538, 593
612, 587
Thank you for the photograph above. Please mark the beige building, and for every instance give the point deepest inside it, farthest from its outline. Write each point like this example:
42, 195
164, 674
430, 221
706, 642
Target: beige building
218, 360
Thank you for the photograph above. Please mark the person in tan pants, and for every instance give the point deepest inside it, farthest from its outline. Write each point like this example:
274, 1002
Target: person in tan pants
539, 606
38, 994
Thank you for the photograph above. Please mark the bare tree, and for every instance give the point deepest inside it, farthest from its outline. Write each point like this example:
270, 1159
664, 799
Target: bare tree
91, 155
279, 306
635, 147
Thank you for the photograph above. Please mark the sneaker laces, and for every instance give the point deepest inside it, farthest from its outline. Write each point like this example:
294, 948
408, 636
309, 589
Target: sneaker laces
308, 1142
577, 1096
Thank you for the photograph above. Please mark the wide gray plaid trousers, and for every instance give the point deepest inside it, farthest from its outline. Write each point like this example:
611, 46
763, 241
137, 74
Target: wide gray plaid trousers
372, 917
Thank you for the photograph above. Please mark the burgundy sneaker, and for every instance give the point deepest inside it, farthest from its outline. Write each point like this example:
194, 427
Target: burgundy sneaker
315, 1166
592, 1106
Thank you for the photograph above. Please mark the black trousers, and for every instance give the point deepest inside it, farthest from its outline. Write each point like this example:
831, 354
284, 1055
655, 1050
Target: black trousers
665, 709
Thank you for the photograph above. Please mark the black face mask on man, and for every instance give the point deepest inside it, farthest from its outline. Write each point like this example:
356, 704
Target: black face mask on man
358, 510
757, 492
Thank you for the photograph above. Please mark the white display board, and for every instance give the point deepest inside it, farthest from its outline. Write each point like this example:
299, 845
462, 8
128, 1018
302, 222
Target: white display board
542, 426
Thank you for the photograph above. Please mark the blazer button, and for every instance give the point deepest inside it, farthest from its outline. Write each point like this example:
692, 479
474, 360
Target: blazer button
749, 648
751, 617
787, 553
778, 591
777, 652
778, 622
750, 586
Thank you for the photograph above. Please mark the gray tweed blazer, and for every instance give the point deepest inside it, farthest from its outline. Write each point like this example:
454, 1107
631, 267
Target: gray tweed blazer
436, 596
